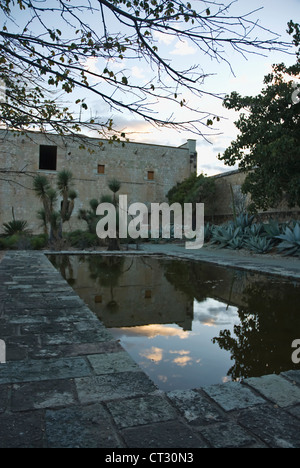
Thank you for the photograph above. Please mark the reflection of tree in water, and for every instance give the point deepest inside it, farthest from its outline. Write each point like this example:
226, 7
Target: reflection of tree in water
64, 265
269, 324
197, 280
107, 270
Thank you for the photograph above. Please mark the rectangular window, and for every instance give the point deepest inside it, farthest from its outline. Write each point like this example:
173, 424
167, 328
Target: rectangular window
48, 158
150, 175
101, 169
148, 294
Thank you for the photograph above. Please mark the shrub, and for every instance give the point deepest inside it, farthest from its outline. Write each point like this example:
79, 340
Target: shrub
39, 242
10, 243
82, 239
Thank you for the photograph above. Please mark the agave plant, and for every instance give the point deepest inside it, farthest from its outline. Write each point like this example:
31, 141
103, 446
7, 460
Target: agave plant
254, 230
207, 232
272, 229
243, 221
236, 243
16, 226
259, 244
290, 244
224, 235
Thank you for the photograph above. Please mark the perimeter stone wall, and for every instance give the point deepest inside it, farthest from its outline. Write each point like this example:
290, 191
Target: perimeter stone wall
220, 210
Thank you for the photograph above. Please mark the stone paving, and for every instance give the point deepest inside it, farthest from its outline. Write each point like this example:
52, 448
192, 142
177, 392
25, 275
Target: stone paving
67, 383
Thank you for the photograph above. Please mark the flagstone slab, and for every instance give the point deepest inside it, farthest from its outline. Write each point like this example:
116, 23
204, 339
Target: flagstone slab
46, 369
113, 386
80, 427
233, 396
277, 389
140, 411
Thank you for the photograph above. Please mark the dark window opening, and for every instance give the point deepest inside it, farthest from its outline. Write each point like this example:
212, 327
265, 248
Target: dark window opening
150, 175
101, 169
148, 294
48, 158
98, 299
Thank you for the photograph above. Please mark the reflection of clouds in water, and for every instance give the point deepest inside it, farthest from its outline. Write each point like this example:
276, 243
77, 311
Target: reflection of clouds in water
153, 354
162, 378
182, 361
214, 313
151, 331
157, 355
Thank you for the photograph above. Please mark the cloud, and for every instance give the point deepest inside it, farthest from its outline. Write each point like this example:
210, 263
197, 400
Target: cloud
182, 361
183, 48
91, 65
151, 331
153, 354
138, 73
162, 38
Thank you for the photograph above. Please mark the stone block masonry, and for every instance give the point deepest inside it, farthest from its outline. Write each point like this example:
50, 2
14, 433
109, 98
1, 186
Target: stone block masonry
67, 383
146, 172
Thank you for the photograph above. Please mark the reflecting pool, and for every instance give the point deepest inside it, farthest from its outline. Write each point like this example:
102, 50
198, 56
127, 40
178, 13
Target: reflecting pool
190, 324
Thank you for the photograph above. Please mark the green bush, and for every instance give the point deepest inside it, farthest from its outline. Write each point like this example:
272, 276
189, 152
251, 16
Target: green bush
22, 242
82, 239
39, 242
10, 243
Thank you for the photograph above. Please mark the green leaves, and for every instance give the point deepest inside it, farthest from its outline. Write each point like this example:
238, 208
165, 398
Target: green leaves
269, 140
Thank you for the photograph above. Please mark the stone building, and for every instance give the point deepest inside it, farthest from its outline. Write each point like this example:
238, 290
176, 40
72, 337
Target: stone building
146, 172
229, 184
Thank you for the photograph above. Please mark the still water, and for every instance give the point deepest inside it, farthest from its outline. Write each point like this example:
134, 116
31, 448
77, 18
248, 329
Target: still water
190, 324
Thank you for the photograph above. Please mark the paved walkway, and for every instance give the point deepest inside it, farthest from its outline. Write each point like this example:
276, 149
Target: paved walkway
67, 383
270, 264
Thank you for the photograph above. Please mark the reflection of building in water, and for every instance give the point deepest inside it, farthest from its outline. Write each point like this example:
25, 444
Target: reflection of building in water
130, 292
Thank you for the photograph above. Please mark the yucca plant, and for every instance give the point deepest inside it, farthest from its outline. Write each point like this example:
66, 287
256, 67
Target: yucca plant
290, 244
90, 216
48, 195
114, 185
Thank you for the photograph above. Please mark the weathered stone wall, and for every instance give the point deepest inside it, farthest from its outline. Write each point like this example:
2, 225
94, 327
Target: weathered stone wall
20, 154
220, 209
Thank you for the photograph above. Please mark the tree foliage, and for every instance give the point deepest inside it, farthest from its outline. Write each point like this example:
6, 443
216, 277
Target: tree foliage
267, 147
52, 49
195, 189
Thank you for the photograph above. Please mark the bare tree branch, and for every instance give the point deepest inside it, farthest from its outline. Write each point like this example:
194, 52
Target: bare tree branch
39, 62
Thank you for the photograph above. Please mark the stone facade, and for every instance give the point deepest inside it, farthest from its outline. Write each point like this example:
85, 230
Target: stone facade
220, 209
147, 172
